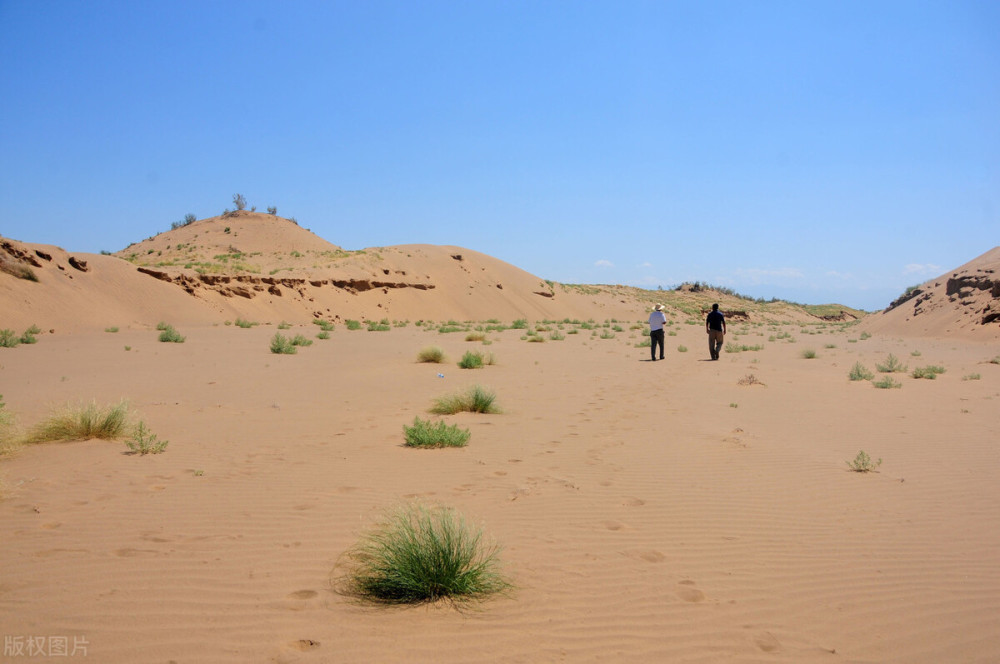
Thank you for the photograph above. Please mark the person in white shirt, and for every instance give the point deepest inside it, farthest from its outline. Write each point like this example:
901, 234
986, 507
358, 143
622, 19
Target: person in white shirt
657, 319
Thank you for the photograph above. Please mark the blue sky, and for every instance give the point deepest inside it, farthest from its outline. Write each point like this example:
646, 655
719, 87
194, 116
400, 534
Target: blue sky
816, 151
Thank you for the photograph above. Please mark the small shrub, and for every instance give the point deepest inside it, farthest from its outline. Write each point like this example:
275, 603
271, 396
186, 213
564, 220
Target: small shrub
475, 336
128, 348
930, 372
535, 338
863, 463
886, 383
748, 380
557, 336
245, 324
891, 365
272, 210
682, 349
111, 329
352, 324
144, 441
282, 345
830, 346
425, 434
324, 325
300, 340
476, 399
520, 324
865, 335
607, 334
974, 376
379, 327
283, 325
163, 326
995, 360
170, 335
8, 438
471, 360
83, 423
916, 353
323, 334
859, 372
645, 343
422, 554
240, 201
808, 354
29, 335
9, 339
740, 348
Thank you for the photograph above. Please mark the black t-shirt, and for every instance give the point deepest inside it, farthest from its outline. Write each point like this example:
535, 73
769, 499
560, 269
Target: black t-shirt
715, 319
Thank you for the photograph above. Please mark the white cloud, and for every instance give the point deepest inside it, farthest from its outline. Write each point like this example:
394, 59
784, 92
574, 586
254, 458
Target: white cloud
604, 263
753, 275
843, 276
646, 265
922, 268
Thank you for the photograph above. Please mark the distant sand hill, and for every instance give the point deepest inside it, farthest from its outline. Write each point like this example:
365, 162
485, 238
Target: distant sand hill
964, 302
267, 268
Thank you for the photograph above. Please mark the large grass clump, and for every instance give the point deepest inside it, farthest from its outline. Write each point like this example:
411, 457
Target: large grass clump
476, 399
422, 554
425, 434
8, 433
431, 354
83, 423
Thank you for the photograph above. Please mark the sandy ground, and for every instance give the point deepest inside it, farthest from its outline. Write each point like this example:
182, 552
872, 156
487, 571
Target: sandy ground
649, 512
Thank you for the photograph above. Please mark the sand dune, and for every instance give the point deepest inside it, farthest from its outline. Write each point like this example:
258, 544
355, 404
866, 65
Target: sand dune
649, 512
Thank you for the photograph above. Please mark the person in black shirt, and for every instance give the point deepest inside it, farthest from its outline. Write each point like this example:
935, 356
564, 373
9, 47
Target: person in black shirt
715, 326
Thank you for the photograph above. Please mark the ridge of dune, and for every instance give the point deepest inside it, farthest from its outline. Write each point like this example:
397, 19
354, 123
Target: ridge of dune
962, 302
268, 268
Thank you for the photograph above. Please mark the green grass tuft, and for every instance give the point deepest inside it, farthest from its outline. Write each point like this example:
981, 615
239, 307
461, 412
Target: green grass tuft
425, 434
808, 354
471, 360
930, 372
169, 335
860, 372
886, 383
144, 441
245, 324
352, 324
282, 345
891, 365
9, 339
423, 554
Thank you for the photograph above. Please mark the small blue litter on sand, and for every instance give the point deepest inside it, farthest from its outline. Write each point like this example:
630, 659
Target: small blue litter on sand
440, 375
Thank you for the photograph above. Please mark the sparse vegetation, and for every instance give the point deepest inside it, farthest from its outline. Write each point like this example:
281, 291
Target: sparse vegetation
300, 340
749, 379
282, 345
740, 348
83, 423
323, 334
169, 335
891, 365
8, 435
9, 339
682, 349
144, 441
422, 554
973, 376
240, 201
471, 360
808, 354
475, 336
930, 372
245, 324
863, 463
352, 324
425, 434
860, 372
886, 382
111, 329
475, 399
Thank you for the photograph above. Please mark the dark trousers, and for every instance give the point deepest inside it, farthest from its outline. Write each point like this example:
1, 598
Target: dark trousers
655, 338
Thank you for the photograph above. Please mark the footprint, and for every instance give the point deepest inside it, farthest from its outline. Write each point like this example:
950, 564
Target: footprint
633, 502
614, 525
689, 594
766, 642
303, 594
652, 556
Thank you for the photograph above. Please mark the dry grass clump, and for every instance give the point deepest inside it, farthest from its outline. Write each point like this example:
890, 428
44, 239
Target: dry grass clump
17, 269
748, 380
475, 336
83, 423
427, 435
476, 399
422, 554
432, 354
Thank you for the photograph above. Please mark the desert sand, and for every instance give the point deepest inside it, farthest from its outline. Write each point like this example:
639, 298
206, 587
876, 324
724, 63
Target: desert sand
648, 511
